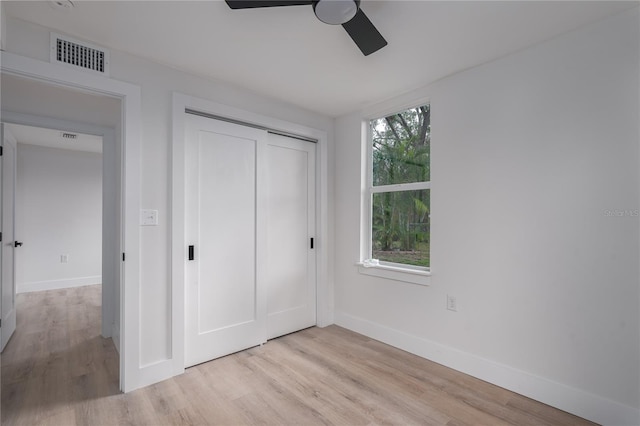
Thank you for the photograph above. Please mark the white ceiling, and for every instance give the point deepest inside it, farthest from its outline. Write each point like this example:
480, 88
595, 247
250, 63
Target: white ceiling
53, 138
287, 54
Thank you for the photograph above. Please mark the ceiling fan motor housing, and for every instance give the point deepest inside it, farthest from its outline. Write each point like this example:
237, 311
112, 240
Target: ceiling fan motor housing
335, 12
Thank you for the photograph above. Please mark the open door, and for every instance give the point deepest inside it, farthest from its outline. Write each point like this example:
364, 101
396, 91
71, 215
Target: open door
7, 238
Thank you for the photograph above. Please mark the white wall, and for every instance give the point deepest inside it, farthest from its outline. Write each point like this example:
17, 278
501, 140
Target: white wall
157, 85
27, 96
58, 212
528, 154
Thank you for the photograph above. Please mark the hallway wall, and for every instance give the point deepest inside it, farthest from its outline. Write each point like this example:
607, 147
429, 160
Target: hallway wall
58, 213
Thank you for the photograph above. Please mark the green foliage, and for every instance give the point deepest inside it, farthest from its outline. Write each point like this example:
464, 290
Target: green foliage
401, 154
415, 257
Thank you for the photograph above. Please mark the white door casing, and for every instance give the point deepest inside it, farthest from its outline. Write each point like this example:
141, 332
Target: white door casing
8, 277
291, 260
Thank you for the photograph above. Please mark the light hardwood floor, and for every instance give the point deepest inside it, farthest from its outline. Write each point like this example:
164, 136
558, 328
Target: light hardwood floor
57, 370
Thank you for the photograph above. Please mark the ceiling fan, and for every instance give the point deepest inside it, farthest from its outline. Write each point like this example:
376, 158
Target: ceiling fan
334, 12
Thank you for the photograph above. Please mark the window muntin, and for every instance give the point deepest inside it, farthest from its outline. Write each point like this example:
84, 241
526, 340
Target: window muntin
399, 188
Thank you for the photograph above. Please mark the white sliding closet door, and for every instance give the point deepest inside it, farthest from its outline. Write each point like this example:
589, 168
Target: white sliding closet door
225, 298
291, 261
250, 220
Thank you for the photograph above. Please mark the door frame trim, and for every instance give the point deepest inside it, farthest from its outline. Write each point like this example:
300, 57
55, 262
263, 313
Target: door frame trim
132, 374
324, 288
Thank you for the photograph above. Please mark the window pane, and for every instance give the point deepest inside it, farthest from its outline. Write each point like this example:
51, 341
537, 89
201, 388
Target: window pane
400, 227
401, 147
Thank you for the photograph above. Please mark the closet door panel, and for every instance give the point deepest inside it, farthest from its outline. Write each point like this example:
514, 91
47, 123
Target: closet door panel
225, 309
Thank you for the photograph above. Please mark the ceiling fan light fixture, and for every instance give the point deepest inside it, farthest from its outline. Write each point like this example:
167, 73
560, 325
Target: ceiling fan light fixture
335, 12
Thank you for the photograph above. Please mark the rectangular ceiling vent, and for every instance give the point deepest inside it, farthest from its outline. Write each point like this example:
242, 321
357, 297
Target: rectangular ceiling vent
79, 54
65, 135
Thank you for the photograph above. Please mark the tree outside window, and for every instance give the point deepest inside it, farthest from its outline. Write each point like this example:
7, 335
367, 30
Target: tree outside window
400, 187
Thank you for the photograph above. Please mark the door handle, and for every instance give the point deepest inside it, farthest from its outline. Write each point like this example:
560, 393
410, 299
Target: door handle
191, 254
17, 243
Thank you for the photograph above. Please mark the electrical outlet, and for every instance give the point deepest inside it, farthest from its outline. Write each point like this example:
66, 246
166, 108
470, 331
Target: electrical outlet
64, 258
452, 303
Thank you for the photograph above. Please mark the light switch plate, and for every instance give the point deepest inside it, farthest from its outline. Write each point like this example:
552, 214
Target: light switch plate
149, 217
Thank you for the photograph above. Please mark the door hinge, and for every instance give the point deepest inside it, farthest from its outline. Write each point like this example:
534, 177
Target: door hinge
1, 150
123, 257
0, 236
191, 253
0, 322
312, 243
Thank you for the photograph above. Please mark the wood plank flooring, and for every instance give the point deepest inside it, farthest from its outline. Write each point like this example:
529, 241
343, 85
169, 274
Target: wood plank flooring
58, 370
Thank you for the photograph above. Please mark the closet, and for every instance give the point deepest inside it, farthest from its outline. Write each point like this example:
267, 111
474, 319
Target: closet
250, 228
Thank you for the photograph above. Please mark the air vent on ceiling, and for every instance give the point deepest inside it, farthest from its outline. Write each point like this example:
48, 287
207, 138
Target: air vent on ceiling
79, 54
68, 135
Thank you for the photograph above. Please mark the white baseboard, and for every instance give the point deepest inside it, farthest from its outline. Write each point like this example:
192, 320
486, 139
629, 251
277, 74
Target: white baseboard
57, 284
575, 401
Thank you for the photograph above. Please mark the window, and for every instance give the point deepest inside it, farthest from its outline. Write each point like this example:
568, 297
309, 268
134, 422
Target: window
399, 189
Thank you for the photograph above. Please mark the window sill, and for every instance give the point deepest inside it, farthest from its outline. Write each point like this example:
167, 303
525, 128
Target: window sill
396, 273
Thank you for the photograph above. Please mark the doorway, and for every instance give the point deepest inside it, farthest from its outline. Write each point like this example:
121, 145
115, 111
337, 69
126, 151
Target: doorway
52, 198
59, 196
60, 201
65, 315
81, 195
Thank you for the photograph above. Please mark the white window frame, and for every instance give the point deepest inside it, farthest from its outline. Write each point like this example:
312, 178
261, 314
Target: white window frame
389, 270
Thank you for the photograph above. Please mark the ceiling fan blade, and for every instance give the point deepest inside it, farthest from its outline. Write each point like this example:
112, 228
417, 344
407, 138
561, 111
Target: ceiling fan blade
364, 34
250, 4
